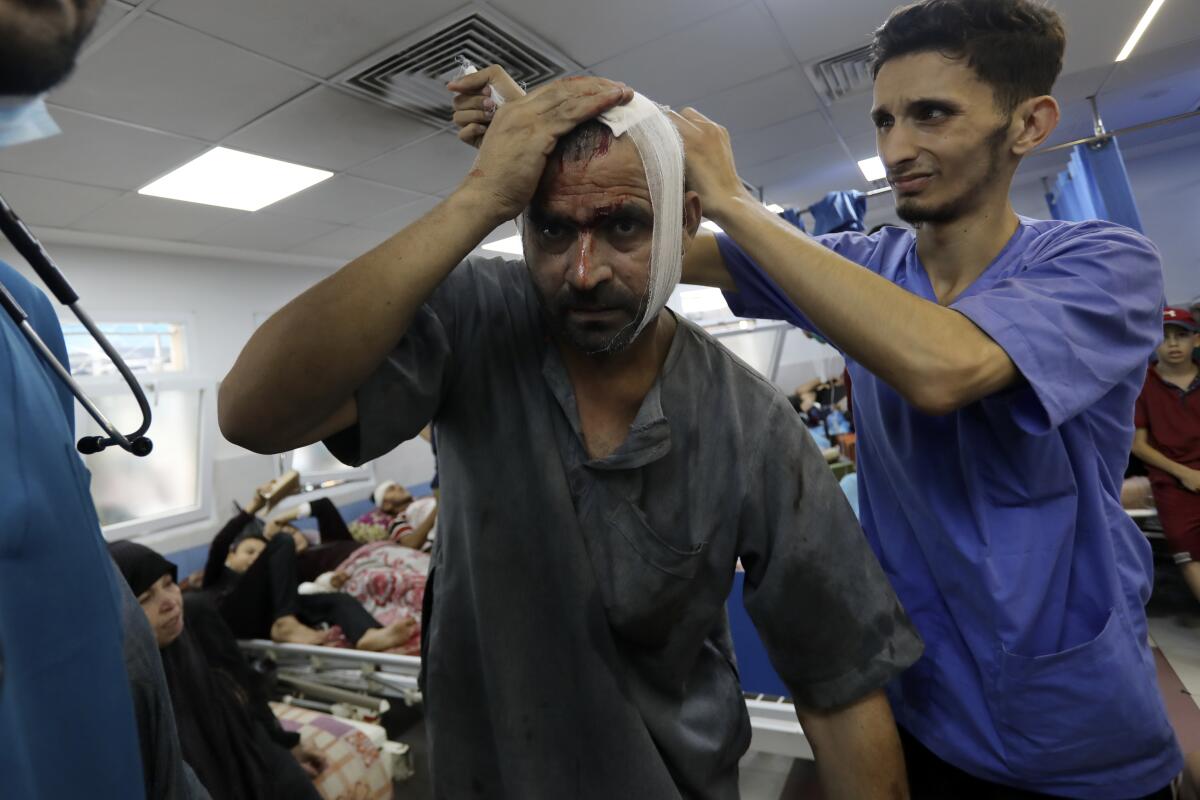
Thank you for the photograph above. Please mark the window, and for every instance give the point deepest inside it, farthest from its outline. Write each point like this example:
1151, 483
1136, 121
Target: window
756, 342
148, 348
169, 487
136, 495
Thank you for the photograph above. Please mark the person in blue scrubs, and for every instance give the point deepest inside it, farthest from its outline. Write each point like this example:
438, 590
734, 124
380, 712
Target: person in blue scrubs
67, 726
995, 362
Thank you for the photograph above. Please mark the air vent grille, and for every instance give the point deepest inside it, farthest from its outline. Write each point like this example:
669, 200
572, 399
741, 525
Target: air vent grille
842, 75
412, 76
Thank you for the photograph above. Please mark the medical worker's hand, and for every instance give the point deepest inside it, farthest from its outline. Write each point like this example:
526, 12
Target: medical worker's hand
522, 135
1190, 480
711, 172
474, 105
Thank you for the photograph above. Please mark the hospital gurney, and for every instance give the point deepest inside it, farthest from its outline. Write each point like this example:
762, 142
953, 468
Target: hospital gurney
364, 685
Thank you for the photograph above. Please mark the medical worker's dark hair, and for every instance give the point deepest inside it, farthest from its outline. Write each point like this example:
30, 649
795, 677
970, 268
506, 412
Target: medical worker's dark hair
1015, 46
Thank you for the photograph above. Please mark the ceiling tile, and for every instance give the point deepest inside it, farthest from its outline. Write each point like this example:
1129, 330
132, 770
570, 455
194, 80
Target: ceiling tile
593, 32
263, 231
100, 153
156, 218
803, 178
48, 203
429, 166
329, 129
1173, 67
761, 102
165, 76
818, 30
347, 243
1096, 30
344, 200
700, 58
398, 218
852, 115
111, 13
1175, 24
319, 36
790, 137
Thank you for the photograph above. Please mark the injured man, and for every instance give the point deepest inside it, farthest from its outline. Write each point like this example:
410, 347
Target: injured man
575, 638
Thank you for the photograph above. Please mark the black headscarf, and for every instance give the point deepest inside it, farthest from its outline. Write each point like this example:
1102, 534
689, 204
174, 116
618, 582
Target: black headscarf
140, 565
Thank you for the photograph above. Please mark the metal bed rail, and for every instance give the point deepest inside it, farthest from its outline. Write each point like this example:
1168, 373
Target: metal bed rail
357, 677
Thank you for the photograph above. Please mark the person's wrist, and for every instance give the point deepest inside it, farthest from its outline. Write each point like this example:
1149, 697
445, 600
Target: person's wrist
728, 208
478, 201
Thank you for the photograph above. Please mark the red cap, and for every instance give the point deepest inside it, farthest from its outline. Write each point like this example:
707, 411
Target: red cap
1181, 317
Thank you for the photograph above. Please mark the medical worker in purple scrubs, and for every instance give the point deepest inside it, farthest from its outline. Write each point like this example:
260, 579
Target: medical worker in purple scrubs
995, 362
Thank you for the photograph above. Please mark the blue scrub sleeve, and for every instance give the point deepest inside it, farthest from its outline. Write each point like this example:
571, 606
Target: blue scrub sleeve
1085, 314
758, 296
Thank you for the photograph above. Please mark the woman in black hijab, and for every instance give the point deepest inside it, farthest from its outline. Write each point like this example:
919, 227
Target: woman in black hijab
227, 731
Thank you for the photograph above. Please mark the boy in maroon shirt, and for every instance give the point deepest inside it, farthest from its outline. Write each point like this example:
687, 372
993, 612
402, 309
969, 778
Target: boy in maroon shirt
1167, 439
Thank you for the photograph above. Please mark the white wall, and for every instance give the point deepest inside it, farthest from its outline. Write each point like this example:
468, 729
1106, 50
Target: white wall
219, 298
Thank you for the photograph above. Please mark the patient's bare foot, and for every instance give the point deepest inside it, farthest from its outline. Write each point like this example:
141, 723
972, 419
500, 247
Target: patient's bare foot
292, 631
393, 635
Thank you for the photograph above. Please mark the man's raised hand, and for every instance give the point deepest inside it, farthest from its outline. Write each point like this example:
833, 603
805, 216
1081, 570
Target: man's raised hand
523, 133
474, 100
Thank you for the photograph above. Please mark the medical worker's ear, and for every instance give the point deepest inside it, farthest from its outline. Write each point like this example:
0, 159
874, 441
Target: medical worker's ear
1036, 119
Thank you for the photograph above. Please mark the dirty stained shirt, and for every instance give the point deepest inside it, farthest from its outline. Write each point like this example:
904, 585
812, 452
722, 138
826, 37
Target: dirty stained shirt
576, 643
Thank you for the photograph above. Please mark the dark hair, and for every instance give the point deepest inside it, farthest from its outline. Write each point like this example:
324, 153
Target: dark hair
584, 142
1015, 46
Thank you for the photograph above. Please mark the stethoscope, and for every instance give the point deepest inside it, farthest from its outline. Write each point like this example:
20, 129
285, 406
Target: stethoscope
27, 245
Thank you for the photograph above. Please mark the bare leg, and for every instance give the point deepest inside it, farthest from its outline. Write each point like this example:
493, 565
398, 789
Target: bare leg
393, 635
291, 630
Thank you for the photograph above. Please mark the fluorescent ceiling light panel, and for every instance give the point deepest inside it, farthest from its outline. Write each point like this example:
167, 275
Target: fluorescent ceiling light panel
712, 226
775, 208
232, 179
1144, 23
510, 246
872, 168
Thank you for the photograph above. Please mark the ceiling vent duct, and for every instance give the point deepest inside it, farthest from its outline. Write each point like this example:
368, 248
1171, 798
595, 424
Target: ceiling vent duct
411, 75
842, 75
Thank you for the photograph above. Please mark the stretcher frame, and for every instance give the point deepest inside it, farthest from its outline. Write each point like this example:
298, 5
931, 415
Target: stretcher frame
364, 679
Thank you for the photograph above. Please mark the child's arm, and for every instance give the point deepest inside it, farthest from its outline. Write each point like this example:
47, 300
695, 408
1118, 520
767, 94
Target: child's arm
1187, 477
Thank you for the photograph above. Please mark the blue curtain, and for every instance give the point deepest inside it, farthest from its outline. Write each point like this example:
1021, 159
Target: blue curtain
839, 211
792, 215
1095, 185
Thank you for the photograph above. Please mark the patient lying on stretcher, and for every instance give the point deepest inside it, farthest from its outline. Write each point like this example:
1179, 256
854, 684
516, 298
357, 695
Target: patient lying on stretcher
253, 581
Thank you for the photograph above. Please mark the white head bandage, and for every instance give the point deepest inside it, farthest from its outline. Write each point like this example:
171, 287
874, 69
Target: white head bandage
380, 491
661, 150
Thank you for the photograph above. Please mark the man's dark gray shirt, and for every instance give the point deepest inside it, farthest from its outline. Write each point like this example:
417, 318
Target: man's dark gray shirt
575, 642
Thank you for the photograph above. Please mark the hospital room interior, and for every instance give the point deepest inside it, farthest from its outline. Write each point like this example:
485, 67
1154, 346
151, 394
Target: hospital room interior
376, 431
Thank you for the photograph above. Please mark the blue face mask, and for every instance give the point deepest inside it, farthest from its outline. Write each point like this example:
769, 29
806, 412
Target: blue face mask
25, 119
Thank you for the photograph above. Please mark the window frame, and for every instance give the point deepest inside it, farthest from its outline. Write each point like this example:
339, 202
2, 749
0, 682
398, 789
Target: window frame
206, 425
153, 382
